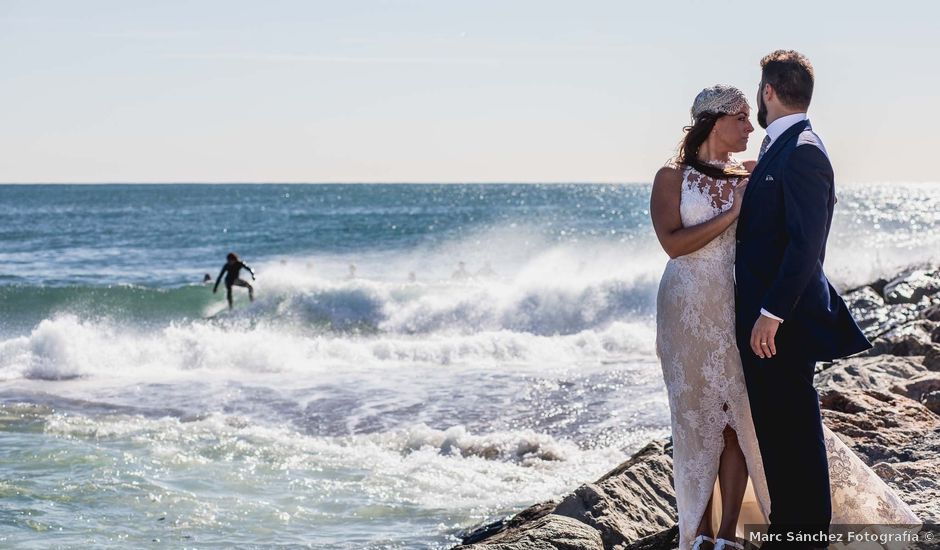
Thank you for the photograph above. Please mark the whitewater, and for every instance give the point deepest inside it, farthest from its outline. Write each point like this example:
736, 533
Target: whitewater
373, 395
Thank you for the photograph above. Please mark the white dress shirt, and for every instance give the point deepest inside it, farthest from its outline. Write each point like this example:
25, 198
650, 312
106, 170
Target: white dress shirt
781, 125
774, 130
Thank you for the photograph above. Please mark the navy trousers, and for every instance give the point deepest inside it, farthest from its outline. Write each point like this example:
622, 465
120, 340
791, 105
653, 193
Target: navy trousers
785, 409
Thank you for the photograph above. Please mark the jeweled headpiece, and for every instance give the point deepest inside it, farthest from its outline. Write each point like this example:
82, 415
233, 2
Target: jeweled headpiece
725, 100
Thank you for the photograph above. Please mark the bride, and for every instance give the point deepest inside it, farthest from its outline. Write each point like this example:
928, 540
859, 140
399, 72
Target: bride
719, 476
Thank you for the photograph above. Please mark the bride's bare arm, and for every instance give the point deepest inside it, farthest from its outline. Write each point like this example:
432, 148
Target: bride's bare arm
664, 210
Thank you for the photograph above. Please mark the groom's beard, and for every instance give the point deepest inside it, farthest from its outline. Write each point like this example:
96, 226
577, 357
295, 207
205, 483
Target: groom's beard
761, 112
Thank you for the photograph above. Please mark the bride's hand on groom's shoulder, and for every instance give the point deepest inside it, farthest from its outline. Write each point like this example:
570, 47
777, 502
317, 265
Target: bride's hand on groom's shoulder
749, 165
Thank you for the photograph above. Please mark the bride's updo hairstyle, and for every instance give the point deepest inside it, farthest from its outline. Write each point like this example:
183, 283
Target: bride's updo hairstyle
709, 105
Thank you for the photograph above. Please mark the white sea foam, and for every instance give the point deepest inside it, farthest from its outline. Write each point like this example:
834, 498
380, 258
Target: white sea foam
559, 289
68, 347
414, 466
554, 308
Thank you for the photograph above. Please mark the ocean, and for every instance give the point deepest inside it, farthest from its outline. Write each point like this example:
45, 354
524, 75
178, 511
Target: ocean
375, 394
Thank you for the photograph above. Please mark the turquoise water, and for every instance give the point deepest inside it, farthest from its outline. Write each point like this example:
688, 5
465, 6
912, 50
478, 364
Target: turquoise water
391, 409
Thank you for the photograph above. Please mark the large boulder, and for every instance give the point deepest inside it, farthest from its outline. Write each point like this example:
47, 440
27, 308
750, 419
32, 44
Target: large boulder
663, 540
912, 286
910, 339
873, 315
932, 313
488, 530
864, 299
931, 400
932, 359
911, 377
549, 532
881, 373
633, 501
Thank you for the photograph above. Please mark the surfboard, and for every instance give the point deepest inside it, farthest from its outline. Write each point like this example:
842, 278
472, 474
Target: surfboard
217, 311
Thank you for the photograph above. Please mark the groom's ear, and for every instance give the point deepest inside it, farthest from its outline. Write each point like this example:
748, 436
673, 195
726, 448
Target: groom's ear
767, 91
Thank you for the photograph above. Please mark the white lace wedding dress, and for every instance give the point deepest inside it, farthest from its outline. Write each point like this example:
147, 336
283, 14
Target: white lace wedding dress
695, 341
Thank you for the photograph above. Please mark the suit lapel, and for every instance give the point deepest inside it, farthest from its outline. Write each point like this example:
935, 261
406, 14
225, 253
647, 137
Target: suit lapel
778, 145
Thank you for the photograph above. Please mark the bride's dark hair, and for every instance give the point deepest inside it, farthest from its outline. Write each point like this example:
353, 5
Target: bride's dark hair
695, 136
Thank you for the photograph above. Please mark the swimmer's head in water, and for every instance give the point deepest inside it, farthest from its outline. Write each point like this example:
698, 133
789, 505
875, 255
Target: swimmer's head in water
232, 257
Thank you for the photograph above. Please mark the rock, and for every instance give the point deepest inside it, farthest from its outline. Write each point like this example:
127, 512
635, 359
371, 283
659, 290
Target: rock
919, 387
881, 373
932, 358
885, 374
911, 339
918, 485
931, 400
888, 472
664, 540
910, 287
864, 298
891, 428
633, 501
875, 317
932, 313
879, 286
549, 532
935, 335
528, 515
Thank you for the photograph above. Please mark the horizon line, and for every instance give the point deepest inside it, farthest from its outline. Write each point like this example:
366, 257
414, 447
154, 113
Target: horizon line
493, 182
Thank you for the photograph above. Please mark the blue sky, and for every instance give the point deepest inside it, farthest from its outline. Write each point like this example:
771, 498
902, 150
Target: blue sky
454, 91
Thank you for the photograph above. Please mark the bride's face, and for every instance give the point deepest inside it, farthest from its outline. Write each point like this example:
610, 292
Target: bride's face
732, 131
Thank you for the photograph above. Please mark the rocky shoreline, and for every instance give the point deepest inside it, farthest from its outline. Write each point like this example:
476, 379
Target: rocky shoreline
884, 403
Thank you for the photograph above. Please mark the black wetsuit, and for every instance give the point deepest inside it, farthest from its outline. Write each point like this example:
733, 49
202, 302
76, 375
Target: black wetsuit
231, 272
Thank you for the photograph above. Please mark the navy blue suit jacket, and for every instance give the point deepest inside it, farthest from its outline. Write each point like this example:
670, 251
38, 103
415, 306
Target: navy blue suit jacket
781, 244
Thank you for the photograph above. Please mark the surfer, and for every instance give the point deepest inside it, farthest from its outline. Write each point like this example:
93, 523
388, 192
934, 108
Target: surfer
232, 267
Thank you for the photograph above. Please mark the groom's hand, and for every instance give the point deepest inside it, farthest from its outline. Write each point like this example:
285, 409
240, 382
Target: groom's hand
762, 337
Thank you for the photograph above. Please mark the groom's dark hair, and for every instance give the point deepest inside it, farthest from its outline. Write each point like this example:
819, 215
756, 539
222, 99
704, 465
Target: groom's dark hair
791, 75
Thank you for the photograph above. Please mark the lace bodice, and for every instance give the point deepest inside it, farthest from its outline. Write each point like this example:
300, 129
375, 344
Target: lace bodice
703, 198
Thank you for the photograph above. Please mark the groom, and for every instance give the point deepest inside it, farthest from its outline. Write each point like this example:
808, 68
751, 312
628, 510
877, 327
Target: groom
788, 316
